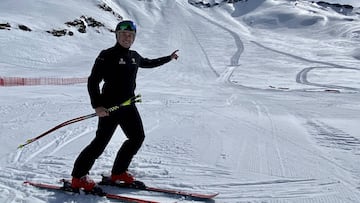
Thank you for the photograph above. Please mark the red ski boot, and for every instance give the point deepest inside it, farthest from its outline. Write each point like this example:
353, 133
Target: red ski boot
84, 182
125, 177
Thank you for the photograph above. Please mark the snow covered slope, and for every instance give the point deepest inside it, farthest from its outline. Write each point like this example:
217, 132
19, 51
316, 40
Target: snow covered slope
262, 105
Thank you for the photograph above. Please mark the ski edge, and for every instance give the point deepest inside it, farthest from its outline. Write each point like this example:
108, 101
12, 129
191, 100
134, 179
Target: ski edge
183, 193
107, 195
192, 195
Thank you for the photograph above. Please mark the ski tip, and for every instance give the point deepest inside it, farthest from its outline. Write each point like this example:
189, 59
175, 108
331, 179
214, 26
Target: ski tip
204, 196
28, 183
214, 195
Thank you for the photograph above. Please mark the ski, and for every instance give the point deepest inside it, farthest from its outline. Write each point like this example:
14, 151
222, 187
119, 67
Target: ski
141, 186
98, 192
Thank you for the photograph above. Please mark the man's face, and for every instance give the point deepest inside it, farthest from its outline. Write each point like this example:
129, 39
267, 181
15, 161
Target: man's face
125, 38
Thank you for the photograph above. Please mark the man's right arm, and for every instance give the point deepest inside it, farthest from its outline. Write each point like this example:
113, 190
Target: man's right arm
94, 80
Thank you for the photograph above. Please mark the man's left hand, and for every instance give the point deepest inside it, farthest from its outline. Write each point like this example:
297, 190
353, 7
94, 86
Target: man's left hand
174, 55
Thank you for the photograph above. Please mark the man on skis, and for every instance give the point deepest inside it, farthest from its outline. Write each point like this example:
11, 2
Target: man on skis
117, 67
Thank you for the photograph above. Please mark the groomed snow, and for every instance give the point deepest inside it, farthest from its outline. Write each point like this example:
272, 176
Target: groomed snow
262, 105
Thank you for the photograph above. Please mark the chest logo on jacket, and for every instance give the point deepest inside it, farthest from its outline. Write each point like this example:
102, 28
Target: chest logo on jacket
122, 61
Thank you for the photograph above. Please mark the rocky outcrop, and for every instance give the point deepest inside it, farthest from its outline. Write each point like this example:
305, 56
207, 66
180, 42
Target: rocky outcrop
60, 32
207, 4
340, 8
107, 8
24, 28
5, 26
81, 24
84, 22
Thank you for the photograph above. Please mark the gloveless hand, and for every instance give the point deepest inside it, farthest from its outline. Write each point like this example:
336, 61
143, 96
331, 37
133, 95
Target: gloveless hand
174, 55
101, 111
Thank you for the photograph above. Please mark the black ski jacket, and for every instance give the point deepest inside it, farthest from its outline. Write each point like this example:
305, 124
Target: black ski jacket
117, 67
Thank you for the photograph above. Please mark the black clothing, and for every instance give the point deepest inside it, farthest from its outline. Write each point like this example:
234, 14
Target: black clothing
129, 120
117, 67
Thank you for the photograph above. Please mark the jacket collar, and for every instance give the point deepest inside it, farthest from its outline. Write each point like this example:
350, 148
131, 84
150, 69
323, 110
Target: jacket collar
120, 48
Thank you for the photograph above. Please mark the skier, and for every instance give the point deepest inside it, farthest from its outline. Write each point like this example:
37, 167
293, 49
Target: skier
117, 68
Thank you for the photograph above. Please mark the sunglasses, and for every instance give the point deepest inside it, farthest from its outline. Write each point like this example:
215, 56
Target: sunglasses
126, 25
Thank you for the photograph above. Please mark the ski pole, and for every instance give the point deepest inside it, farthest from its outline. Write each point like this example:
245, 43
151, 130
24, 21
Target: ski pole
128, 102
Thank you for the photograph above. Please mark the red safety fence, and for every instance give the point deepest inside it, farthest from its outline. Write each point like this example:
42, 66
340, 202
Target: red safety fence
19, 81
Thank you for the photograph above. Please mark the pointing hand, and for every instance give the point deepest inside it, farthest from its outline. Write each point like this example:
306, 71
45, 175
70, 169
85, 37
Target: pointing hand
174, 55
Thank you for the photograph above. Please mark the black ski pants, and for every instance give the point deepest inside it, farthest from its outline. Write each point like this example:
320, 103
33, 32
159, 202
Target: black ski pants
129, 120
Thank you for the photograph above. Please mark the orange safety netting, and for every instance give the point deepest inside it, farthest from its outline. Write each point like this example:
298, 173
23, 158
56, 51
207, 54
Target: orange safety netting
19, 81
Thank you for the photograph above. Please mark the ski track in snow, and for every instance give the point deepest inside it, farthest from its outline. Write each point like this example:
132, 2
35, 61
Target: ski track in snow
226, 138
330, 137
302, 76
234, 61
60, 141
302, 79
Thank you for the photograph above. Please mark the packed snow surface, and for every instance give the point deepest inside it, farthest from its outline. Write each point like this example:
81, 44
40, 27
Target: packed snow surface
262, 105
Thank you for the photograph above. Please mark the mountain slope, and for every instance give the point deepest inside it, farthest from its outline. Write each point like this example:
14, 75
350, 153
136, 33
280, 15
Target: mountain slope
262, 105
